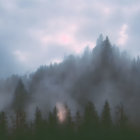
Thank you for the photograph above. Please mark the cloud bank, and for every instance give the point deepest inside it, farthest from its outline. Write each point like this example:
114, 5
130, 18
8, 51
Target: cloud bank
36, 32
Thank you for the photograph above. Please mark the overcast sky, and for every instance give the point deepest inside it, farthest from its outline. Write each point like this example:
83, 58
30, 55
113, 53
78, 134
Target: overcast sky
37, 32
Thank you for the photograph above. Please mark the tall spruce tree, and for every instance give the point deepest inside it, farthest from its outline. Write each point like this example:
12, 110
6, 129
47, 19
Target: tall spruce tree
106, 120
90, 115
20, 126
20, 97
3, 126
122, 118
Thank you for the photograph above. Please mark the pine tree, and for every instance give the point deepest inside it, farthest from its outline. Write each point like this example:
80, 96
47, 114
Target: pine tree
121, 117
53, 128
20, 127
68, 116
3, 125
52, 119
38, 122
69, 125
78, 120
90, 115
20, 98
99, 40
106, 120
39, 125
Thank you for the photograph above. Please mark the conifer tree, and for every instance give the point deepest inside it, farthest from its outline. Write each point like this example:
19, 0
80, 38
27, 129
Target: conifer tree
90, 115
122, 119
106, 120
3, 125
38, 122
78, 120
20, 127
20, 98
39, 125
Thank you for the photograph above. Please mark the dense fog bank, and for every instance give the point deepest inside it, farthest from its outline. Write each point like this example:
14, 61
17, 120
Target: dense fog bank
101, 74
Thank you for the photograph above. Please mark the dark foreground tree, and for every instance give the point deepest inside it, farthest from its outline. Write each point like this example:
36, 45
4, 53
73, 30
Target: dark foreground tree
91, 118
90, 121
86, 125
3, 126
21, 97
20, 126
106, 121
122, 118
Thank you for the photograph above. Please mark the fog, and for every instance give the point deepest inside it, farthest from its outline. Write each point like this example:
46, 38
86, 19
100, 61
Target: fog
103, 73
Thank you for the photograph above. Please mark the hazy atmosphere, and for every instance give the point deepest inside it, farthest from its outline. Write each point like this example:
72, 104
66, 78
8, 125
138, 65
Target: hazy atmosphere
69, 69
38, 32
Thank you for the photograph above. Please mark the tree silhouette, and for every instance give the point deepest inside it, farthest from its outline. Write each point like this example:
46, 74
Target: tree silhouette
20, 98
106, 120
122, 119
38, 122
20, 127
90, 121
78, 121
90, 115
39, 125
53, 119
99, 40
3, 125
78, 127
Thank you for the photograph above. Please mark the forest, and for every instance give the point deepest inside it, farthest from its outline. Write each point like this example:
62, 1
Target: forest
91, 96
87, 125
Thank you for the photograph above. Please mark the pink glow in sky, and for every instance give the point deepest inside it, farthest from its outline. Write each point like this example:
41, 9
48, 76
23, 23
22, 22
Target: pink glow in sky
39, 32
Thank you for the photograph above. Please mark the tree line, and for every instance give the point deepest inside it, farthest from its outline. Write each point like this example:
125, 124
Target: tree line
83, 125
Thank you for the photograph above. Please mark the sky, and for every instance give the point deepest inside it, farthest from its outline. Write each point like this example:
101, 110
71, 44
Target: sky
40, 32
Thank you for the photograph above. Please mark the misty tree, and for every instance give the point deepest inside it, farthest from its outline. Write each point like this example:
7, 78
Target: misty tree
90, 120
3, 125
20, 126
122, 118
39, 125
99, 40
90, 115
53, 119
53, 124
106, 120
107, 53
38, 121
78, 120
68, 115
20, 97
68, 122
